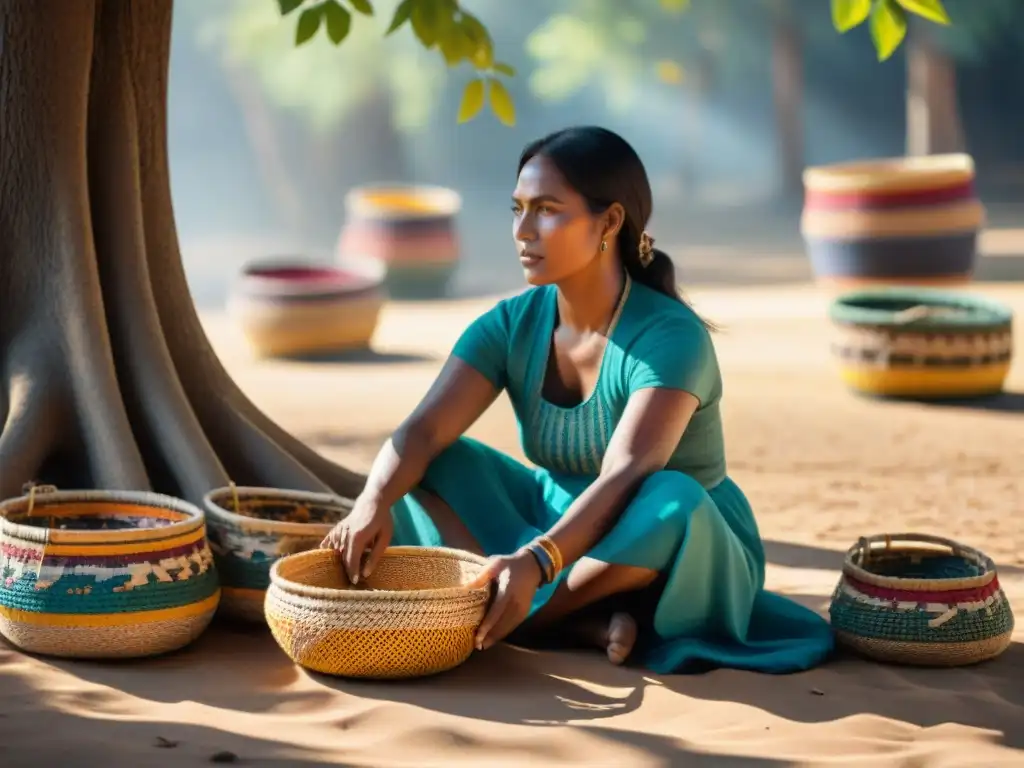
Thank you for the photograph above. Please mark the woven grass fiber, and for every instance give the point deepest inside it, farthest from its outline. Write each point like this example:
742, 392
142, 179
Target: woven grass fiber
97, 574
251, 528
922, 600
414, 617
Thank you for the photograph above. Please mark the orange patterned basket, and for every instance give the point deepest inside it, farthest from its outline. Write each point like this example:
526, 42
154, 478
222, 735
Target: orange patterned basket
414, 616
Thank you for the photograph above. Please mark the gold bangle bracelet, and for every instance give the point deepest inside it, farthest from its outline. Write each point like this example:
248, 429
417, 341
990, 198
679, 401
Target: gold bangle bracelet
553, 552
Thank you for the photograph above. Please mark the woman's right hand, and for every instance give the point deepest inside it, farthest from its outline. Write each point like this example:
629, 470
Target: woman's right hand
367, 527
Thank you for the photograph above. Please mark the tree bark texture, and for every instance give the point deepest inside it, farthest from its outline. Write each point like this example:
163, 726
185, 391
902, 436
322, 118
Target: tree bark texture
934, 125
788, 87
107, 379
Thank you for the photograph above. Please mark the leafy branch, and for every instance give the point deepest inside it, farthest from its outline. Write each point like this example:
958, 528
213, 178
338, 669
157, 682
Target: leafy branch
888, 19
441, 25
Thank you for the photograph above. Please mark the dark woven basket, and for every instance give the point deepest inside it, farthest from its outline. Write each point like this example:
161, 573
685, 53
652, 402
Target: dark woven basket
916, 599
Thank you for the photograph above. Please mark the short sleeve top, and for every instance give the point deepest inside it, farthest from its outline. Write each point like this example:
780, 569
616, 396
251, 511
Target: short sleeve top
655, 341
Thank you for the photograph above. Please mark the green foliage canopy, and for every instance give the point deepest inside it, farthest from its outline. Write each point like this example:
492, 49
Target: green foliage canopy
441, 25
605, 39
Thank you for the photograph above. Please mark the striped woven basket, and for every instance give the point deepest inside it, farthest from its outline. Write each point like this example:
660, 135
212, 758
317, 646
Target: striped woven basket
295, 308
921, 343
99, 574
903, 220
413, 231
923, 600
251, 528
413, 618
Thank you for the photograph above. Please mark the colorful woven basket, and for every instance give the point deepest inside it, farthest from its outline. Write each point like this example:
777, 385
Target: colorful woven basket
916, 599
907, 220
921, 343
97, 574
413, 618
411, 229
251, 528
293, 308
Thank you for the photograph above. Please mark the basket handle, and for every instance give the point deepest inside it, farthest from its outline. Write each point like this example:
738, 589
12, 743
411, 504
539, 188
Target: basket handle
923, 311
31, 489
865, 547
234, 496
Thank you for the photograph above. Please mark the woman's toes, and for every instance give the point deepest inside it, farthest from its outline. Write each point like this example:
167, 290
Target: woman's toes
621, 638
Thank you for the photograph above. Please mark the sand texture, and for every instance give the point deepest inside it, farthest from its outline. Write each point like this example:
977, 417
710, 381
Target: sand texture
821, 466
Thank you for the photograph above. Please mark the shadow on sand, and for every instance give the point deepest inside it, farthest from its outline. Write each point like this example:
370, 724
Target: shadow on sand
516, 686
365, 356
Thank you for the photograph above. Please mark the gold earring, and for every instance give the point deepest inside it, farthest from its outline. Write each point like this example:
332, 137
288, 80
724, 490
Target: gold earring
604, 245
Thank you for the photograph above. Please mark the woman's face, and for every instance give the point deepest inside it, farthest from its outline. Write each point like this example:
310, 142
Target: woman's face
555, 232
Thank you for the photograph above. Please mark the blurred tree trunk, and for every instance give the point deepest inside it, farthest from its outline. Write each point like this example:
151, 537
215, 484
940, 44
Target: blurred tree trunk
788, 90
933, 115
267, 146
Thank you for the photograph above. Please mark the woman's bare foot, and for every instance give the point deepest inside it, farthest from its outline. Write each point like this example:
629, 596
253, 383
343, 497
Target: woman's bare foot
615, 636
620, 637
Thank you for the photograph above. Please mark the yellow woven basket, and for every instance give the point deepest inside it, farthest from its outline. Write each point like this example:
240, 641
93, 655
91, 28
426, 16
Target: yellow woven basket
414, 616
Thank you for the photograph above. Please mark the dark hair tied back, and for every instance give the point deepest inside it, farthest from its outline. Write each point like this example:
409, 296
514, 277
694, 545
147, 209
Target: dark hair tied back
602, 167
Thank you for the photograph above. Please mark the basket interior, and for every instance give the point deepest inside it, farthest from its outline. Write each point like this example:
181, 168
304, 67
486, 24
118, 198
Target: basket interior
918, 307
921, 563
284, 510
95, 516
322, 569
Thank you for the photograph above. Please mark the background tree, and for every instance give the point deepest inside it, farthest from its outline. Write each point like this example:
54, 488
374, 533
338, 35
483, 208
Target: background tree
107, 378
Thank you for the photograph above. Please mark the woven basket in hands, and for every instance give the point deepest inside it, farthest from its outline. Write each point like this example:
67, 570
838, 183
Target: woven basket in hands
251, 528
104, 574
414, 616
922, 600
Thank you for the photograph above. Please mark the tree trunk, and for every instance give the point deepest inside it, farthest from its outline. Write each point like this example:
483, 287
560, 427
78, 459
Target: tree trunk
788, 89
108, 379
267, 147
933, 114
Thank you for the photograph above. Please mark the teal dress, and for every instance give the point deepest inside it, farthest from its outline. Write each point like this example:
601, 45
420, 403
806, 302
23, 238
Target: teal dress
690, 521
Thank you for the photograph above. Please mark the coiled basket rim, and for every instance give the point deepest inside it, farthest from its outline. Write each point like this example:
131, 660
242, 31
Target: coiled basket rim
212, 502
903, 542
40, 500
442, 201
279, 581
885, 174
979, 313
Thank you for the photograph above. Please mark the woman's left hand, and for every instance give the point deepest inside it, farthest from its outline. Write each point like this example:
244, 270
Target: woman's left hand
517, 578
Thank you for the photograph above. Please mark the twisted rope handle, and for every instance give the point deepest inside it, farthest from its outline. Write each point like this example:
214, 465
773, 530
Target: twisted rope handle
31, 489
234, 497
923, 311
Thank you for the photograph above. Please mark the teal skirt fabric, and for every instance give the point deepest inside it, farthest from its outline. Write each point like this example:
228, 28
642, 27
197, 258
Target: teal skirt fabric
713, 610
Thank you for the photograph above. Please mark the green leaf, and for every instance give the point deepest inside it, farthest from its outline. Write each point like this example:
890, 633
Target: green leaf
402, 13
675, 6
501, 102
309, 23
287, 6
932, 10
472, 100
505, 69
455, 46
426, 22
364, 7
481, 47
338, 20
847, 14
888, 27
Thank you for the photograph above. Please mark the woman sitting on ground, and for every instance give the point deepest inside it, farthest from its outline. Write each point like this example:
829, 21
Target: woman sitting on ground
629, 513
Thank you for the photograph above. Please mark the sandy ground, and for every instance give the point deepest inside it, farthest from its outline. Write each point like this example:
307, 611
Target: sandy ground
821, 466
